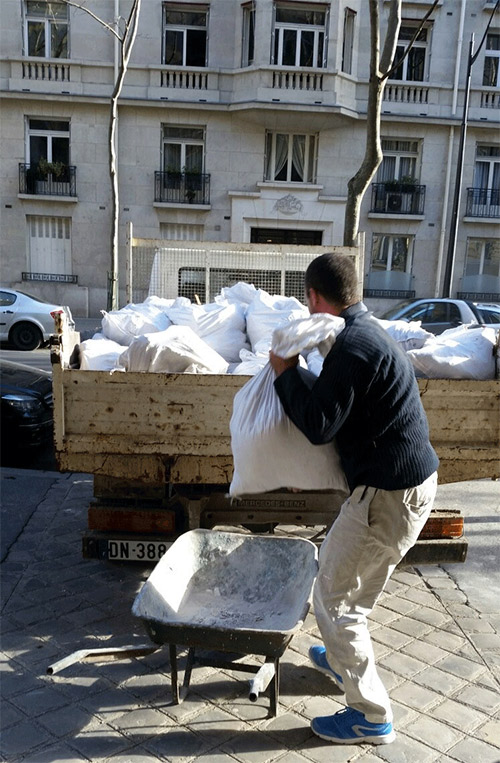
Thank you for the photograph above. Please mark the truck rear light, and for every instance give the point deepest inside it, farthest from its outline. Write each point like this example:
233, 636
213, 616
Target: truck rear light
134, 520
443, 524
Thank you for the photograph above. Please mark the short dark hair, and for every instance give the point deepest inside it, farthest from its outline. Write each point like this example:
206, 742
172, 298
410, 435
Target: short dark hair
334, 276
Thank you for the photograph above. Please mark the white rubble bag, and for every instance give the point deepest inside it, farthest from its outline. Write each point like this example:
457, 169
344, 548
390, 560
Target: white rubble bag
408, 334
176, 350
466, 352
265, 313
269, 451
221, 326
100, 354
123, 326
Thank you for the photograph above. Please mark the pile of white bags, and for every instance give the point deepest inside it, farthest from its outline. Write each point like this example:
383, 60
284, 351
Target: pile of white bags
466, 352
269, 451
238, 327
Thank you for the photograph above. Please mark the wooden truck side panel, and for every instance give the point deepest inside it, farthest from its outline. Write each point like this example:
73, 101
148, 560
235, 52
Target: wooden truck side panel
174, 428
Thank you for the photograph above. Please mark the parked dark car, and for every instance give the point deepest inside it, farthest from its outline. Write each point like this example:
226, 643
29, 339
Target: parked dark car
26, 405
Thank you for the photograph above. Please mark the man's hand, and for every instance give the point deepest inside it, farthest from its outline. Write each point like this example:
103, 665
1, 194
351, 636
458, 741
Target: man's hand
282, 364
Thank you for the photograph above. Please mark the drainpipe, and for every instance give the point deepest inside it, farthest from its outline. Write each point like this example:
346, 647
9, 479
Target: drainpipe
451, 136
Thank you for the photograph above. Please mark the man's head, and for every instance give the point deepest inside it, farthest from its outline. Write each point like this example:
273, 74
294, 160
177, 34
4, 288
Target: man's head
331, 283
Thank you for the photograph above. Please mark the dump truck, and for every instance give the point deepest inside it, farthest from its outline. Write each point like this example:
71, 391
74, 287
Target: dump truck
159, 448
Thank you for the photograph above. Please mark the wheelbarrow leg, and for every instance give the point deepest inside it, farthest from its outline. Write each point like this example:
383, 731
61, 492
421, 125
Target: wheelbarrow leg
179, 695
275, 684
173, 673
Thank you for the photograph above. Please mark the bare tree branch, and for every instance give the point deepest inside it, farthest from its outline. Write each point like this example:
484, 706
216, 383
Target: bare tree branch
97, 18
398, 63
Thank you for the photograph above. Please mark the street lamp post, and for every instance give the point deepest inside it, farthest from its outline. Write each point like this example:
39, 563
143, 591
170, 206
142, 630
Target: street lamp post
452, 243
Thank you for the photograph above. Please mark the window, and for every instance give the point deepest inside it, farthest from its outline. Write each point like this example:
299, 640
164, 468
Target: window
400, 160
290, 157
49, 244
248, 47
181, 231
392, 253
412, 69
183, 149
299, 35
483, 258
491, 71
286, 236
46, 29
185, 35
487, 169
48, 139
348, 42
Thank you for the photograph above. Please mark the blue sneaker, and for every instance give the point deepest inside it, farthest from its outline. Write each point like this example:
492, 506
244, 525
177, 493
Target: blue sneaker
349, 726
317, 655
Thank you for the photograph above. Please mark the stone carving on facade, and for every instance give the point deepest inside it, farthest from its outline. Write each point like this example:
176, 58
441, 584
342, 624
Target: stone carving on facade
288, 205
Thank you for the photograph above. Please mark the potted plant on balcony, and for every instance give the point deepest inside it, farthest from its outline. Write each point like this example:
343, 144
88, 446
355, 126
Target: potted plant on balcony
408, 184
45, 168
192, 183
392, 185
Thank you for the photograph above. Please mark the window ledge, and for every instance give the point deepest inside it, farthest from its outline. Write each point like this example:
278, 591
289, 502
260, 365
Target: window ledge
283, 184
187, 207
395, 216
47, 197
486, 220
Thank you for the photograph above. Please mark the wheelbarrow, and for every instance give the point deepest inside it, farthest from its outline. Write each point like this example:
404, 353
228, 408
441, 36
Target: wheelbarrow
233, 593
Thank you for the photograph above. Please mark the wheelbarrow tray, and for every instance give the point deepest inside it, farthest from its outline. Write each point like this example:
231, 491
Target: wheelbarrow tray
229, 591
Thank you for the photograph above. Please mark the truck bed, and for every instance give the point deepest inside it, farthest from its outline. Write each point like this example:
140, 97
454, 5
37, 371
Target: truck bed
174, 428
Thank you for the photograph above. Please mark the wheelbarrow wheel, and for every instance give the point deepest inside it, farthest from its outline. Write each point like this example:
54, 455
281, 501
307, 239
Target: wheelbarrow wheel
264, 527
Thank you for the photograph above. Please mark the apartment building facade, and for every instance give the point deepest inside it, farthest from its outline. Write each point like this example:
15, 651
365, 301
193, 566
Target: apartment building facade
243, 122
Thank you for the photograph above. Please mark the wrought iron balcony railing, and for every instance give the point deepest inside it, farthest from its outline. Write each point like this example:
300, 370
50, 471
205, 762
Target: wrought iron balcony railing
34, 180
483, 202
396, 198
182, 187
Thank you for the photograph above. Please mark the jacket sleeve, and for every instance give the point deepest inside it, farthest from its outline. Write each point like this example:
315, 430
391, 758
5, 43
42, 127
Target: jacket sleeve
318, 412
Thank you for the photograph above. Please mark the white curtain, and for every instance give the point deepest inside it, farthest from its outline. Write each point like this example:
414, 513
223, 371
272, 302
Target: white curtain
298, 155
281, 155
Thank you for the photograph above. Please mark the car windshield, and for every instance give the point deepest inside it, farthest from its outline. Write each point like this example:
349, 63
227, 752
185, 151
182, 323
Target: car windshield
387, 314
489, 314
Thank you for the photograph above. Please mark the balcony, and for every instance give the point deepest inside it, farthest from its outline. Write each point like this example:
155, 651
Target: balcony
483, 202
52, 179
182, 188
397, 198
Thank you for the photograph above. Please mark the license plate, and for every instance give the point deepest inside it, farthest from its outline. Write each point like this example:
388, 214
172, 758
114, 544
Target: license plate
137, 550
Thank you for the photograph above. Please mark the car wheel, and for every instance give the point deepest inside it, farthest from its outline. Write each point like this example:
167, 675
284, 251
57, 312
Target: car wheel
25, 336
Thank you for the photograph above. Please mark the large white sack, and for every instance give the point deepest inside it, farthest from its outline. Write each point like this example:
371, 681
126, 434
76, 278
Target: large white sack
99, 354
240, 294
461, 353
409, 335
266, 313
124, 325
222, 326
269, 451
176, 350
317, 331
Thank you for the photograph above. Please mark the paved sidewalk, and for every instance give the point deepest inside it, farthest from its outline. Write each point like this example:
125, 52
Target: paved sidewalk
438, 655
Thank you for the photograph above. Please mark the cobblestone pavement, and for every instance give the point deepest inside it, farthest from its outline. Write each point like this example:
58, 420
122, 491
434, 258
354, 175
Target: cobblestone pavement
438, 656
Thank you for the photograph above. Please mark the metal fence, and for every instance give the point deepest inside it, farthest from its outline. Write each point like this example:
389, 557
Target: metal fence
200, 270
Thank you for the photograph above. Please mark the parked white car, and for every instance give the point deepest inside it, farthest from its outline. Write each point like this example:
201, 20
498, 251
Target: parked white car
27, 322
438, 315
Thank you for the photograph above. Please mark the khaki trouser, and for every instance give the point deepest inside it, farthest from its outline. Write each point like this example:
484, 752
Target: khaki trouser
373, 531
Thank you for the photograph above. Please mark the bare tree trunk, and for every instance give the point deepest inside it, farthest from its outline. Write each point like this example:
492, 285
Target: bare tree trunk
381, 67
126, 41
